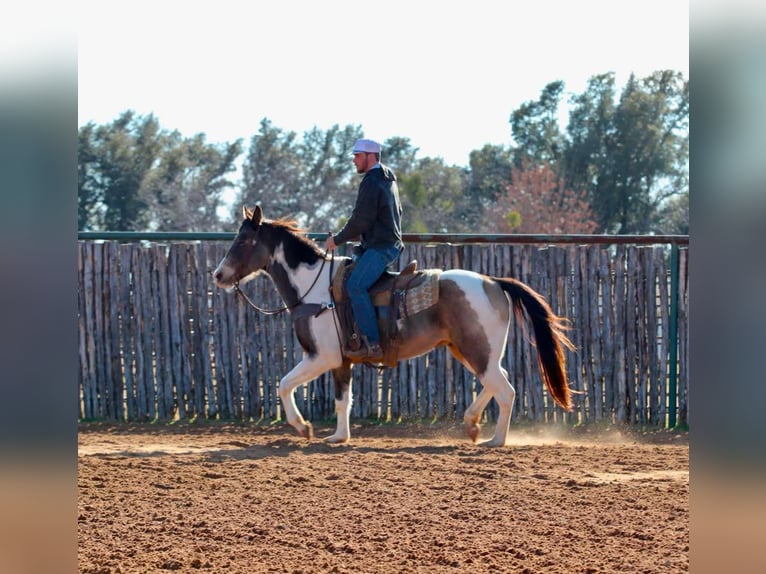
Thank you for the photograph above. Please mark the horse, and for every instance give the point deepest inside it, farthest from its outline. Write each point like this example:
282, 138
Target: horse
471, 317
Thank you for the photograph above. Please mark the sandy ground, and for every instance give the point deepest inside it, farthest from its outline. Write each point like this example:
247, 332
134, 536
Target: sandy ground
246, 498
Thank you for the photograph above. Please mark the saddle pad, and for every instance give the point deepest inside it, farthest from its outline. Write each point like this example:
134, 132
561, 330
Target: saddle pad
422, 296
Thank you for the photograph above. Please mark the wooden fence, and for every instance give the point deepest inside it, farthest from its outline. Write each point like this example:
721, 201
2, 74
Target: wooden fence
158, 341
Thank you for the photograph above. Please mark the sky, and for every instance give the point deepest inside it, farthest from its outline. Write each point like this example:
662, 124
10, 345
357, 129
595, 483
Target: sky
446, 75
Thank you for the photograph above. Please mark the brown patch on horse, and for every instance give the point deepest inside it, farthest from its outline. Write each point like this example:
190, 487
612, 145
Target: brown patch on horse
341, 379
469, 342
421, 333
305, 338
281, 280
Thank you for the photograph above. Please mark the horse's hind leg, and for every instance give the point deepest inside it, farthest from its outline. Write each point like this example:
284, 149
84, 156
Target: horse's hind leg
504, 394
473, 415
495, 384
342, 379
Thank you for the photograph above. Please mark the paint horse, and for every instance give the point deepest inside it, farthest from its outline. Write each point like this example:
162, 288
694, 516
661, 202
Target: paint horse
471, 317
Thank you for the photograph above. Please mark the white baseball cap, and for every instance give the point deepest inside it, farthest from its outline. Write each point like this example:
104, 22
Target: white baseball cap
367, 146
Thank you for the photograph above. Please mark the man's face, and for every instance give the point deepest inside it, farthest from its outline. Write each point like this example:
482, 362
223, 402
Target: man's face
360, 161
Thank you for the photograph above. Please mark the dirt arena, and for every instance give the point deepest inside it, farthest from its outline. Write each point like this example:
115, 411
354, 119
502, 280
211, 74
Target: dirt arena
236, 498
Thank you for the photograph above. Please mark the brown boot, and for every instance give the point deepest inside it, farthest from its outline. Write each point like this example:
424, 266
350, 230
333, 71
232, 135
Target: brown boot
369, 351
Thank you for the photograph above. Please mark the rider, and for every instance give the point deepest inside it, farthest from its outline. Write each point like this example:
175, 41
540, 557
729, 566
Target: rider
377, 219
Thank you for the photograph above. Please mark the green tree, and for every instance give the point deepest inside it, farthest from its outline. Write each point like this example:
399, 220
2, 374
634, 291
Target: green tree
632, 157
399, 154
674, 216
185, 190
590, 131
271, 172
113, 164
90, 195
535, 128
135, 176
629, 155
328, 183
308, 179
433, 198
489, 176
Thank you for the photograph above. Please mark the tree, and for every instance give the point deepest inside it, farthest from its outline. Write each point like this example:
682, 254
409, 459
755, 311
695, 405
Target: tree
185, 190
113, 162
630, 155
271, 172
674, 216
399, 154
310, 180
433, 198
328, 185
590, 131
535, 128
90, 195
633, 156
489, 175
135, 176
537, 201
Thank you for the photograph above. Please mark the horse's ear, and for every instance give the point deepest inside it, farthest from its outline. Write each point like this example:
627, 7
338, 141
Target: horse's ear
255, 214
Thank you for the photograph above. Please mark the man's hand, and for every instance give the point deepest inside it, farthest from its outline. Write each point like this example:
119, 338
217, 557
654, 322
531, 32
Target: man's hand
329, 244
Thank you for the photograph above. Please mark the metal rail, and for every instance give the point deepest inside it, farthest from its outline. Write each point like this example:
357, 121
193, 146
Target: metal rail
408, 237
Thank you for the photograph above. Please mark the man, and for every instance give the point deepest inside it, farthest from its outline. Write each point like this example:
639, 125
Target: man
377, 220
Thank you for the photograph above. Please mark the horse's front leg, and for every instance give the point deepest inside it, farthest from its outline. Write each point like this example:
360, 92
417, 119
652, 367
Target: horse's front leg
343, 398
309, 368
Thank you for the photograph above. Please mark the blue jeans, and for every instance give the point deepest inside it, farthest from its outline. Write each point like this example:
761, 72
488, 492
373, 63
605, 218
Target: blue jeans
369, 267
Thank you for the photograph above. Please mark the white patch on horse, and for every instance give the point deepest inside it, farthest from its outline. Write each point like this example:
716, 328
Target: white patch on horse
322, 328
304, 277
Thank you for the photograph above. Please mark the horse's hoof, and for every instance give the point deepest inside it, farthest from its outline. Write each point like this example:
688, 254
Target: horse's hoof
473, 431
335, 439
492, 443
307, 431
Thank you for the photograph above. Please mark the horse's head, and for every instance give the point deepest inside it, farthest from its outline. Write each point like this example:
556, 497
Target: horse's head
247, 256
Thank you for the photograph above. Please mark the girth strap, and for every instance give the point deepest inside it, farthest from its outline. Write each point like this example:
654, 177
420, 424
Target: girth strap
310, 309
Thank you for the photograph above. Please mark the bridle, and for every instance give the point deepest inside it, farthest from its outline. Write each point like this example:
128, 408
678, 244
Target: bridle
286, 307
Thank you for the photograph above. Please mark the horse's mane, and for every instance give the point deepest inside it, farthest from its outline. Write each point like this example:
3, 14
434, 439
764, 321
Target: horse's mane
288, 226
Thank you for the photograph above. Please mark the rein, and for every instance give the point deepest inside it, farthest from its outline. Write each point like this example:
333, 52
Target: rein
286, 307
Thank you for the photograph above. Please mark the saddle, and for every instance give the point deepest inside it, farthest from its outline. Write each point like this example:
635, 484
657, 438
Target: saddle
395, 296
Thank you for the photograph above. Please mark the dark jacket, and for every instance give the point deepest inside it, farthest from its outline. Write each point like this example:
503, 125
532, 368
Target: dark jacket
377, 214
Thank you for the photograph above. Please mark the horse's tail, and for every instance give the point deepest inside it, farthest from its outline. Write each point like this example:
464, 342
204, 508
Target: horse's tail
550, 337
